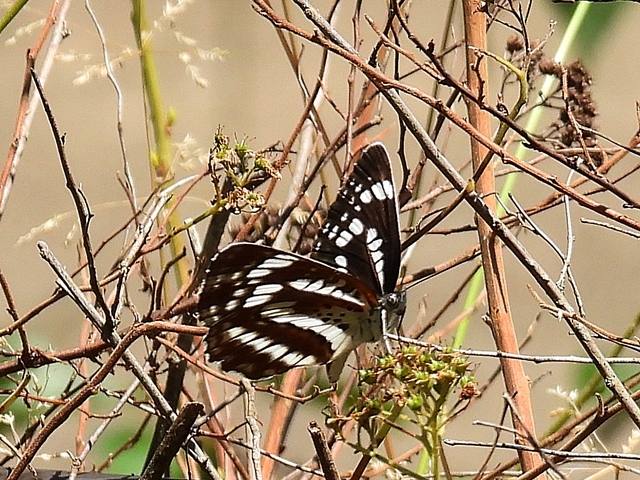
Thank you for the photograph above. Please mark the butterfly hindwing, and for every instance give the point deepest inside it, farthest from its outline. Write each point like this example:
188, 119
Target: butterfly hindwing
270, 311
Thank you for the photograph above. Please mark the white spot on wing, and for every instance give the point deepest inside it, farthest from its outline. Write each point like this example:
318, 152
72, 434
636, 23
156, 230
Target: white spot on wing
326, 290
295, 319
330, 230
375, 245
232, 305
259, 344
315, 286
337, 337
276, 351
282, 260
236, 275
308, 323
344, 239
241, 292
329, 332
356, 227
235, 332
276, 312
213, 280
298, 359
388, 188
340, 260
278, 309
258, 272
247, 338
338, 294
257, 300
366, 196
299, 284
307, 285
346, 297
382, 190
268, 288
209, 319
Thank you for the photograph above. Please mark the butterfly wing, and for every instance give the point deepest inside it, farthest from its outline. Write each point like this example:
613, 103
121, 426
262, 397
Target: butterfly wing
270, 311
361, 235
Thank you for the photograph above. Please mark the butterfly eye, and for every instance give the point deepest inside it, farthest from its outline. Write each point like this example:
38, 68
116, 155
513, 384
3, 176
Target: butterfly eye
395, 302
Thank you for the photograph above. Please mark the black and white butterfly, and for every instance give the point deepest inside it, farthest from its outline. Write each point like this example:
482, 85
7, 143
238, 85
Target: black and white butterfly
269, 311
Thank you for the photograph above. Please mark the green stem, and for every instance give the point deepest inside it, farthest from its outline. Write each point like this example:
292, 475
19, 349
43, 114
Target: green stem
11, 13
164, 150
161, 158
595, 383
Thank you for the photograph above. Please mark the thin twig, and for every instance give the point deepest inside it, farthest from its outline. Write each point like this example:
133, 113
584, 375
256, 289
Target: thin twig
82, 208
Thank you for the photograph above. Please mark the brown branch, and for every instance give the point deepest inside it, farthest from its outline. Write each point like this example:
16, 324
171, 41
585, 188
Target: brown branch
502, 326
322, 451
92, 384
21, 130
173, 440
82, 207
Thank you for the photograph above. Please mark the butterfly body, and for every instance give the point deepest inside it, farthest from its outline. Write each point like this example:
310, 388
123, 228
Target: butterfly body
269, 311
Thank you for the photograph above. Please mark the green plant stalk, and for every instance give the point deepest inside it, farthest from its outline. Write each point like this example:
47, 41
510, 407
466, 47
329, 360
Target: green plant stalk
595, 382
429, 463
437, 424
385, 427
11, 13
423, 462
208, 213
434, 435
431, 442
161, 159
379, 437
477, 282
432, 431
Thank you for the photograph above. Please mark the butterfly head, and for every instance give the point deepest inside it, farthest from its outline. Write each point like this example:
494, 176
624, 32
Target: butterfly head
394, 304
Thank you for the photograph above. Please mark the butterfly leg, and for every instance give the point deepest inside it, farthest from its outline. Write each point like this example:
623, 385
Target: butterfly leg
334, 368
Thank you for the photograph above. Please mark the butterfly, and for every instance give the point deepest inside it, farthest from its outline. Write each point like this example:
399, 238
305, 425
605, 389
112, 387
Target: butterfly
269, 311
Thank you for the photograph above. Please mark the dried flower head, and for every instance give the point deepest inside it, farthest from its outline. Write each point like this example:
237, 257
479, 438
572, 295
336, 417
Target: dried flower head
579, 109
515, 43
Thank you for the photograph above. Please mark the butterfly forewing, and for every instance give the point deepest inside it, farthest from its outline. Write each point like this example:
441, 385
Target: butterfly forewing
362, 233
270, 311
